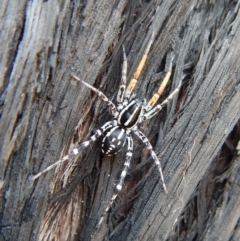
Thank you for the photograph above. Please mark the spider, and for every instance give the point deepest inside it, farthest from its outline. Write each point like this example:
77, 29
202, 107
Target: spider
127, 114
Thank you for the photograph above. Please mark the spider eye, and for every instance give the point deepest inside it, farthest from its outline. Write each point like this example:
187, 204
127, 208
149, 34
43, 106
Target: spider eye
114, 141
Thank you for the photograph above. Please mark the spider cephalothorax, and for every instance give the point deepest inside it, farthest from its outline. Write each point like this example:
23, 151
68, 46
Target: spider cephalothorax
127, 114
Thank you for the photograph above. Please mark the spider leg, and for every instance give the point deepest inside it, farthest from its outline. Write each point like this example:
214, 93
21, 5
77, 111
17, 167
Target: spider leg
122, 87
144, 139
122, 177
126, 163
75, 151
112, 107
137, 73
162, 87
157, 108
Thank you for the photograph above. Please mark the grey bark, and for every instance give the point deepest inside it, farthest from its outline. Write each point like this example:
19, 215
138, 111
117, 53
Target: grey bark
45, 114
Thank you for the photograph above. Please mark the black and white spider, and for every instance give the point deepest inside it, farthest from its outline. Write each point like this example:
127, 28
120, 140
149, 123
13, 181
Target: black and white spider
127, 114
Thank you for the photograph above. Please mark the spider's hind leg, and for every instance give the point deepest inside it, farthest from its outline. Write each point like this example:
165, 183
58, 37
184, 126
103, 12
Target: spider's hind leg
76, 150
122, 177
144, 139
126, 163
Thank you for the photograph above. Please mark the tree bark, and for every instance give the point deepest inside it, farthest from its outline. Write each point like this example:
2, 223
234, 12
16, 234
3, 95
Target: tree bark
45, 114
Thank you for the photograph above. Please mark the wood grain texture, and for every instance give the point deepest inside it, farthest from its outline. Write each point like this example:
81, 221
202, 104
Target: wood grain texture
45, 114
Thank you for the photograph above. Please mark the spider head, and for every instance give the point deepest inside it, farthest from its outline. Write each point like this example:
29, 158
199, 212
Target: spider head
130, 115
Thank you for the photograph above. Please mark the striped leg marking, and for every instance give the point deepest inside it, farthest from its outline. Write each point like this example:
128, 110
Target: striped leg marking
75, 151
165, 102
99, 93
122, 87
106, 210
162, 87
153, 154
158, 108
133, 82
122, 177
126, 163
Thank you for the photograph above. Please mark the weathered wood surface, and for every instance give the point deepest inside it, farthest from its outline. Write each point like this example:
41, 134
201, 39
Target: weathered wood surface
44, 114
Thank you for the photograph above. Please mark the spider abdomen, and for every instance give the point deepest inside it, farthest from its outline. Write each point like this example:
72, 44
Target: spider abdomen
114, 141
